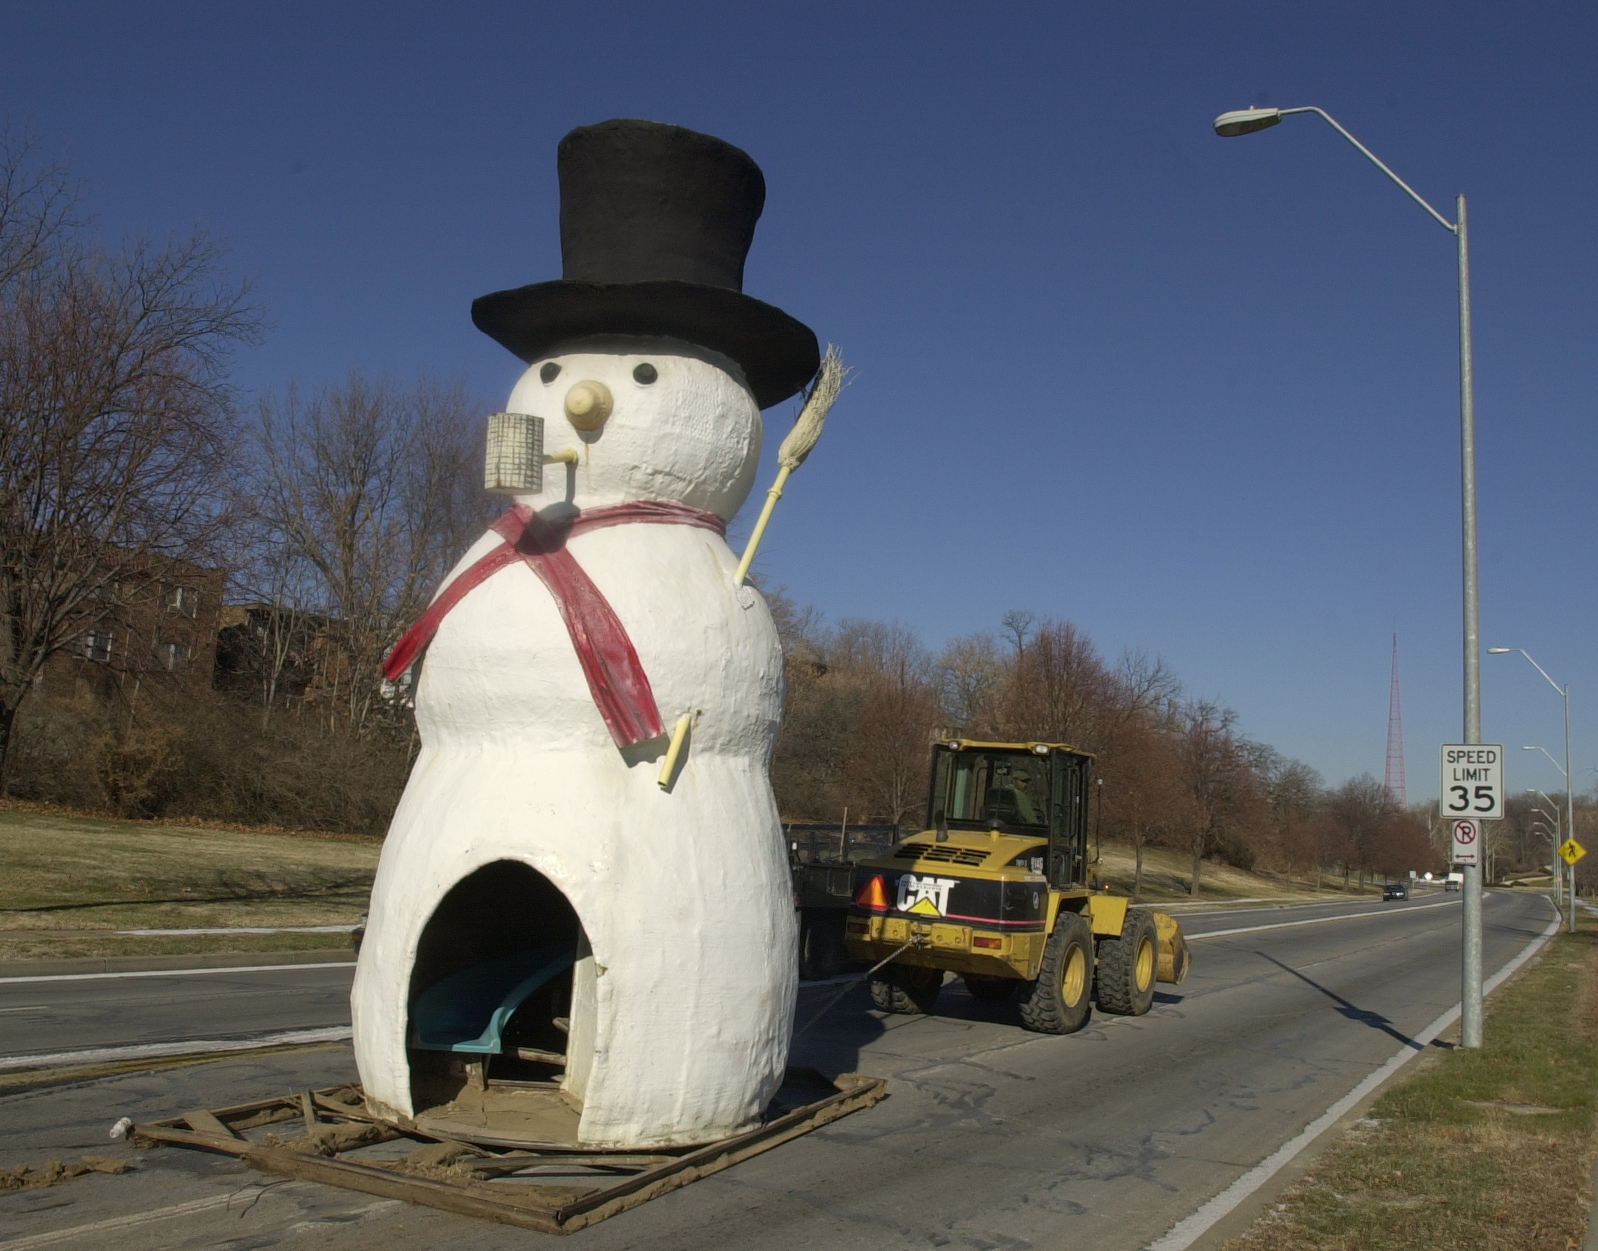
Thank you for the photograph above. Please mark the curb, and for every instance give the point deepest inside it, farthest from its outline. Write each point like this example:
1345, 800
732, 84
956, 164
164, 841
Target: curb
195, 960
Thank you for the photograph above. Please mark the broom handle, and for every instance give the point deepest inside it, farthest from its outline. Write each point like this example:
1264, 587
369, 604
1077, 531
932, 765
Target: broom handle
759, 532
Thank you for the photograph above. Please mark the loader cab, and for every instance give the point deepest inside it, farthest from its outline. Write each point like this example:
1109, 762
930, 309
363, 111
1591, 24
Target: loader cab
1016, 788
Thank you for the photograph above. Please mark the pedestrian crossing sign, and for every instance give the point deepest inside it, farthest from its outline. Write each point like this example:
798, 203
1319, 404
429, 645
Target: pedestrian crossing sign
1572, 851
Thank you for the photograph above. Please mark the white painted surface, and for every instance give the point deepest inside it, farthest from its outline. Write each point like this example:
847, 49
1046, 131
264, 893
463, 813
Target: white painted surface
684, 1011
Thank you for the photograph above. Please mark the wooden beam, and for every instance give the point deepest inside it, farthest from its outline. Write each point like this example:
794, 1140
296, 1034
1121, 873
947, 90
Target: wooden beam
203, 1122
188, 1138
542, 1057
467, 1200
650, 1184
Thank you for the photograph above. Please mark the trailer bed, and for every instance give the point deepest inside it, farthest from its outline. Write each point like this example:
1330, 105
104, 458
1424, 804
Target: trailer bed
459, 1163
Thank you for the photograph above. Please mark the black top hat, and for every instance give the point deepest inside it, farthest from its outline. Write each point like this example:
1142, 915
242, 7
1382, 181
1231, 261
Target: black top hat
655, 222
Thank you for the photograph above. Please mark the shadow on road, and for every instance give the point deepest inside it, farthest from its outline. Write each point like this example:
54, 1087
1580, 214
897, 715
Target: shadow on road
833, 1043
1353, 1012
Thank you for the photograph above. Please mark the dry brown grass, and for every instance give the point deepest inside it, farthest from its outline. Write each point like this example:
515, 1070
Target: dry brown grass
1490, 1150
1166, 874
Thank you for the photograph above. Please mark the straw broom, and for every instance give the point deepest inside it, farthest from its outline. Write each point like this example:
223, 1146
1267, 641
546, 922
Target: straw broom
829, 381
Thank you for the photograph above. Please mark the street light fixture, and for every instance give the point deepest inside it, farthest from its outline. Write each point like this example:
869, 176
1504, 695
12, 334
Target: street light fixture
1247, 122
1551, 760
1553, 865
1570, 798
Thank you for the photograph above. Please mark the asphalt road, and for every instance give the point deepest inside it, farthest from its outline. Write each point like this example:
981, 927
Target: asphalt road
992, 1138
81, 1013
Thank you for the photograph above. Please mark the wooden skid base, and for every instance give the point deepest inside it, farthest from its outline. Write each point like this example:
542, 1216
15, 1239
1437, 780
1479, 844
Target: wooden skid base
335, 1124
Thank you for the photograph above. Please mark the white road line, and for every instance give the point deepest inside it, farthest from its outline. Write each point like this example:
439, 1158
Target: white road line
115, 1223
188, 1047
236, 968
1287, 907
1186, 1232
1341, 916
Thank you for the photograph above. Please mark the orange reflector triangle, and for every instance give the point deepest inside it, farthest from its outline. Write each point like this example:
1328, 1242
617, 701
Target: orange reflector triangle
873, 895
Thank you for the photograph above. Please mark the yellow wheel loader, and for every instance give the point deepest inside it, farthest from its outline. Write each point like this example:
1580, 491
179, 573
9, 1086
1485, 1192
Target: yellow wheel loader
997, 892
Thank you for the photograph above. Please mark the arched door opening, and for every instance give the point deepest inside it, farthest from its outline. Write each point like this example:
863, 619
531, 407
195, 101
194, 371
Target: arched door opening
491, 991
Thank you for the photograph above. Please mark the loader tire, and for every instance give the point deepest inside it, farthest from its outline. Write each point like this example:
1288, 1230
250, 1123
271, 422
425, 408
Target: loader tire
1128, 965
1061, 1000
906, 989
993, 989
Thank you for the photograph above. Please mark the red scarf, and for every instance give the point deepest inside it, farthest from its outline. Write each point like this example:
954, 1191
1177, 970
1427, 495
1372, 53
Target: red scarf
616, 679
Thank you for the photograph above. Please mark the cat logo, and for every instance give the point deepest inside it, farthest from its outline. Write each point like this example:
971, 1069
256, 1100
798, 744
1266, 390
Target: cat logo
924, 896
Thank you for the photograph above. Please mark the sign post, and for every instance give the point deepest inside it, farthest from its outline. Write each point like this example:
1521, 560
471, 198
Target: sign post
1472, 792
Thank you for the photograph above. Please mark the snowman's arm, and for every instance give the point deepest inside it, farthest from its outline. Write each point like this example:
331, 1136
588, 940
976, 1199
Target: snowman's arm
679, 736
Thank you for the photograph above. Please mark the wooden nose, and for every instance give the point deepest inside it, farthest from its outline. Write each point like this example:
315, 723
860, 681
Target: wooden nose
588, 405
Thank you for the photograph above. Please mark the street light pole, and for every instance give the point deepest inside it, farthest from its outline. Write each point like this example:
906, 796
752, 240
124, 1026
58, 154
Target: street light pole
1555, 876
1570, 819
1246, 122
1570, 786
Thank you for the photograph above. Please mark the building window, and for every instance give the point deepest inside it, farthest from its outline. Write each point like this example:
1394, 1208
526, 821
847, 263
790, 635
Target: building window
183, 600
175, 656
97, 645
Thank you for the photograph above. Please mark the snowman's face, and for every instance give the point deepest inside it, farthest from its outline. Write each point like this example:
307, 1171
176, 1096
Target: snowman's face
649, 420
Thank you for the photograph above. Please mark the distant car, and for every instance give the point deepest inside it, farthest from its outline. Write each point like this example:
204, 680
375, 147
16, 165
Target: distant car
1395, 890
1450, 884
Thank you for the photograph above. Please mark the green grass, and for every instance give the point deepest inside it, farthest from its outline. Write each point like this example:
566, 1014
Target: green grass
68, 880
1489, 1148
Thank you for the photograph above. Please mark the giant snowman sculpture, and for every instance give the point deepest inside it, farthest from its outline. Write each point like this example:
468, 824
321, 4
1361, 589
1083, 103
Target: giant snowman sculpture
549, 901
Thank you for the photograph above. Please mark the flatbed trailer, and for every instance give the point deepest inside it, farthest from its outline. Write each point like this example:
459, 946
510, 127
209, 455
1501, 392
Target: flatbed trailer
555, 1186
822, 858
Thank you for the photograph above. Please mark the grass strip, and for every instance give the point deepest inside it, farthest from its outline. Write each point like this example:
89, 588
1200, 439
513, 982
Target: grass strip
1488, 1149
98, 945
67, 881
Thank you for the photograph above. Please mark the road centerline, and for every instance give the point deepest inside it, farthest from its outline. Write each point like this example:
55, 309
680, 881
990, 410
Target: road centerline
1342, 916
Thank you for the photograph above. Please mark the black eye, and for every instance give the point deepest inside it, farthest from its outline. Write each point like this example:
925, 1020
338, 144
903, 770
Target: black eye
645, 373
549, 372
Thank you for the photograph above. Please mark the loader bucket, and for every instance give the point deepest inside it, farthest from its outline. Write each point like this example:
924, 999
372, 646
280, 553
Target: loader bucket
1174, 957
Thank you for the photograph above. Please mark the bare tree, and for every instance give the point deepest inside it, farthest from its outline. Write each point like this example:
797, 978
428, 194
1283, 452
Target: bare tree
1143, 797
1360, 807
896, 714
1059, 689
1225, 795
38, 200
971, 675
115, 416
370, 491
1295, 794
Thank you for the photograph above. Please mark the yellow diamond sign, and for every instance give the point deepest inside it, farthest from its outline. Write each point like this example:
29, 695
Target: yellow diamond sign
1572, 851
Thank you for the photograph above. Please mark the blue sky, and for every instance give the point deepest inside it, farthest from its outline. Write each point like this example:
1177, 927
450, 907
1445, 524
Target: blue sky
1198, 395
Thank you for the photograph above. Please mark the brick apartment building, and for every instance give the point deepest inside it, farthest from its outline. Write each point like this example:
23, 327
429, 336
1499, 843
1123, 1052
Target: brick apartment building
157, 632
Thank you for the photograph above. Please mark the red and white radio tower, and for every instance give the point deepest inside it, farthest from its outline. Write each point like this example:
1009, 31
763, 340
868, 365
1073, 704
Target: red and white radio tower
1395, 741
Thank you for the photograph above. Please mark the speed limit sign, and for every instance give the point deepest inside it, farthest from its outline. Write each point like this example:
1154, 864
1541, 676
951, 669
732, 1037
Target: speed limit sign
1473, 781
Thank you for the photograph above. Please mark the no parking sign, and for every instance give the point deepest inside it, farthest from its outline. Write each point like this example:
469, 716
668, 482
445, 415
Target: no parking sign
1467, 840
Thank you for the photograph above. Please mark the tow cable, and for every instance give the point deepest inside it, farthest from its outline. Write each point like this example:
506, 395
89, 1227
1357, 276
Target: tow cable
916, 940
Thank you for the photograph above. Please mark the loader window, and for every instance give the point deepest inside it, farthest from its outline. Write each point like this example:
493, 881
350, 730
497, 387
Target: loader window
983, 790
